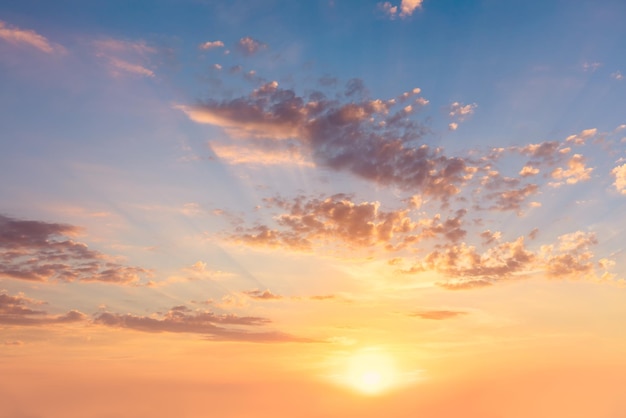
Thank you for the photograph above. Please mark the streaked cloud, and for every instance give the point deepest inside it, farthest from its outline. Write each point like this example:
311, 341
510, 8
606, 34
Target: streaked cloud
438, 314
181, 319
125, 58
28, 38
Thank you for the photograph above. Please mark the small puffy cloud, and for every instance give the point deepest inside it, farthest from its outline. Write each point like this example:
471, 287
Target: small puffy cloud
453, 126
619, 173
461, 111
582, 137
42, 251
512, 199
250, 46
438, 314
617, 75
28, 38
575, 172
211, 45
528, 170
406, 9
591, 66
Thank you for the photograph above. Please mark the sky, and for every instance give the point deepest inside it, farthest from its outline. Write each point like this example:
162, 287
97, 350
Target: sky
332, 208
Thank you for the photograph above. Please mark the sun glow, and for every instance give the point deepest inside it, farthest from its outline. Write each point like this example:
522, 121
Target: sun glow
370, 371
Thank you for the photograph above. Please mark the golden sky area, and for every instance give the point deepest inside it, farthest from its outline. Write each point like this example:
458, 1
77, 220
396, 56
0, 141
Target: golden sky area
330, 208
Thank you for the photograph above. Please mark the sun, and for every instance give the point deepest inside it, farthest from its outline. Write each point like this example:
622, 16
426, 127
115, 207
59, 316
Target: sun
371, 372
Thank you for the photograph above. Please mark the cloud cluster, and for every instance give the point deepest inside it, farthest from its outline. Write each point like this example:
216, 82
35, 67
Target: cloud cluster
41, 251
374, 139
466, 267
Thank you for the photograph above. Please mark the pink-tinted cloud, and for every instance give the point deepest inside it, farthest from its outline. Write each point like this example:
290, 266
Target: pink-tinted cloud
41, 251
28, 38
125, 58
211, 45
250, 46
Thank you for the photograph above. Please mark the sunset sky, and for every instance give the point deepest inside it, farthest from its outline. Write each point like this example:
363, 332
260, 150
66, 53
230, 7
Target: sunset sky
321, 208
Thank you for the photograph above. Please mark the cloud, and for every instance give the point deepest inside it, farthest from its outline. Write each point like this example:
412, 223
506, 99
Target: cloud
332, 219
233, 154
619, 173
438, 314
125, 58
466, 268
30, 38
41, 251
181, 319
582, 137
262, 295
406, 9
571, 255
453, 126
211, 45
512, 199
617, 75
575, 172
461, 111
16, 310
367, 138
591, 66
250, 46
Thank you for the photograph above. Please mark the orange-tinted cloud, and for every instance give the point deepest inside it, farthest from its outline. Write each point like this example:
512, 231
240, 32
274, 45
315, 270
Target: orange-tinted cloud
438, 314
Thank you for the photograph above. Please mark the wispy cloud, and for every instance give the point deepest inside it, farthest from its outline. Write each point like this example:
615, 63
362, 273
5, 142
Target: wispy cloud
181, 319
28, 38
125, 58
438, 314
